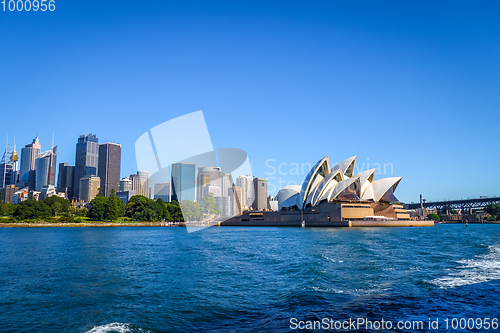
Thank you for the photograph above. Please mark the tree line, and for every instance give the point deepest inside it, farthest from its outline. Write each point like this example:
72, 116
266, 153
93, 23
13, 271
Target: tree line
101, 208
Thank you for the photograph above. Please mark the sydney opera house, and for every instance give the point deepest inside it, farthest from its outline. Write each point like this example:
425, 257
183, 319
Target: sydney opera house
335, 196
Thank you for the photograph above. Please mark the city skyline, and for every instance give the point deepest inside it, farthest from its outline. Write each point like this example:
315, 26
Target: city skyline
423, 81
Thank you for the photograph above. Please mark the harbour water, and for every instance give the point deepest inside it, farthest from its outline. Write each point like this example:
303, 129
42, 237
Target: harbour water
236, 279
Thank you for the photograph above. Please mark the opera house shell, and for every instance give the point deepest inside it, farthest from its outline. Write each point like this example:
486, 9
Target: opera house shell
338, 184
335, 196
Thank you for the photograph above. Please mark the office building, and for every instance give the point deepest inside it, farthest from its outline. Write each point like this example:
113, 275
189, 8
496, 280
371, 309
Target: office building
125, 185
246, 184
7, 192
260, 192
140, 183
226, 183
183, 181
89, 188
223, 203
7, 174
50, 190
66, 179
125, 196
208, 176
8, 166
29, 154
109, 166
20, 196
86, 159
215, 190
236, 203
162, 191
45, 170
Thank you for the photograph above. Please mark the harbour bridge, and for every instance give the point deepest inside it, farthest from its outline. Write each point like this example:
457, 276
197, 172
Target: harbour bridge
463, 204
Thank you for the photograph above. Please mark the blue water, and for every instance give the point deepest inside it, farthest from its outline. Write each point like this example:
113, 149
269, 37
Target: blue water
227, 279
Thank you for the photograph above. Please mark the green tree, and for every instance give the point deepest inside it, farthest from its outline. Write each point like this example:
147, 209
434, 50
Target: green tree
7, 209
163, 207
192, 211
493, 210
112, 210
32, 209
97, 209
140, 208
209, 204
434, 217
57, 204
175, 212
75, 211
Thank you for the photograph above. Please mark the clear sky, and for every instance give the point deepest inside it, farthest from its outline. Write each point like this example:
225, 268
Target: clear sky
414, 85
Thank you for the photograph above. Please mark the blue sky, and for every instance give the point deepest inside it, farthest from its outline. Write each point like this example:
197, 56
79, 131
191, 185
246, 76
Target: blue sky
413, 85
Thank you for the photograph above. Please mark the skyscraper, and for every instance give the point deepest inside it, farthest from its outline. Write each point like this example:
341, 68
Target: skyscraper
235, 195
140, 183
109, 166
208, 176
86, 158
244, 183
89, 188
260, 192
183, 181
7, 193
66, 179
162, 191
45, 171
226, 183
125, 184
29, 155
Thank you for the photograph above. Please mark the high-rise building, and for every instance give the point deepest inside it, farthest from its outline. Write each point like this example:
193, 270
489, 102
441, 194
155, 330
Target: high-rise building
162, 191
29, 154
235, 195
66, 180
260, 192
8, 166
7, 192
86, 158
140, 183
125, 184
89, 188
7, 174
48, 191
20, 196
183, 181
215, 190
226, 183
45, 170
242, 181
207, 176
223, 203
125, 196
109, 166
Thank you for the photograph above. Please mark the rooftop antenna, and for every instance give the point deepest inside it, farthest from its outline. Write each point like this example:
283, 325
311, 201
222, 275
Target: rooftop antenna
52, 140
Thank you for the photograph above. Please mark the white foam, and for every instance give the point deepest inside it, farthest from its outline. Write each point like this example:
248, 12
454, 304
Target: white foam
113, 327
482, 269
